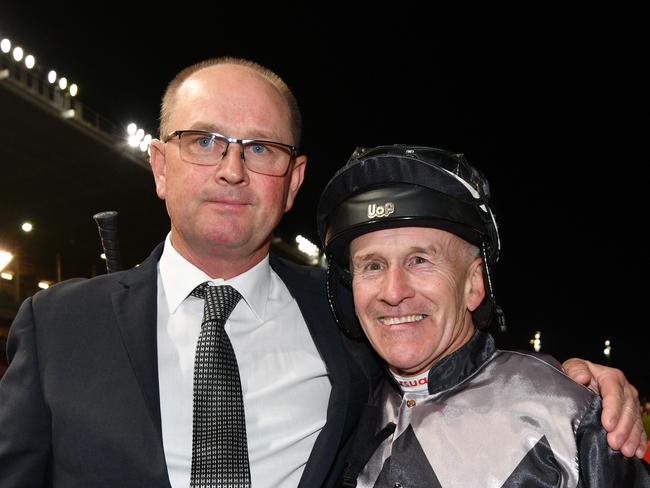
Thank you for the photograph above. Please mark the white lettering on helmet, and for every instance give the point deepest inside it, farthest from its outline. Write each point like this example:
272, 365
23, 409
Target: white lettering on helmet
379, 211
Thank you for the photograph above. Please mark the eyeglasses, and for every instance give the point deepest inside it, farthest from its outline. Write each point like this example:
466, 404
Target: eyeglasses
209, 148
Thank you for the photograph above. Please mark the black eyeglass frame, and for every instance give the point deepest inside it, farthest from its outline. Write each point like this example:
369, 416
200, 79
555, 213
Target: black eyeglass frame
293, 150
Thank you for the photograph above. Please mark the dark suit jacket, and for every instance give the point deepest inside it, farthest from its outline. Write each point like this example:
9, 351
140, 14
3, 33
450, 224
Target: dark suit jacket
79, 404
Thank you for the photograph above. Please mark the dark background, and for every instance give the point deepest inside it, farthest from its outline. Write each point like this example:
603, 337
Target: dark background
550, 103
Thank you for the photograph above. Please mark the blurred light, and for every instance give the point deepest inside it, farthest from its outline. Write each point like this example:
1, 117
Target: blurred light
608, 349
103, 256
74, 89
307, 247
51, 77
27, 227
5, 259
144, 145
30, 61
139, 134
68, 114
43, 285
133, 141
131, 128
63, 83
18, 53
5, 45
7, 275
537, 341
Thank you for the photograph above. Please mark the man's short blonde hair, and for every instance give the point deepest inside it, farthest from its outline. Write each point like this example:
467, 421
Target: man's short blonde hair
169, 97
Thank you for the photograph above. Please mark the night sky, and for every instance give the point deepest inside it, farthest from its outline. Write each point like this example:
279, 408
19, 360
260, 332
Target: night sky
550, 104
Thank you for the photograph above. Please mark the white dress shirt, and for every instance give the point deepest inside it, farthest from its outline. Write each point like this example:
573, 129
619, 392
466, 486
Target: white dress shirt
284, 380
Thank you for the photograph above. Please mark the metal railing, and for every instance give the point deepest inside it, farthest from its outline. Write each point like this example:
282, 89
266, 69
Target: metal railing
33, 84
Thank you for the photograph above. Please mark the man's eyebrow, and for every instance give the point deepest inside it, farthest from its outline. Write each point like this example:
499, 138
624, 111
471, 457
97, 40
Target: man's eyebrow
206, 126
255, 134
414, 249
363, 257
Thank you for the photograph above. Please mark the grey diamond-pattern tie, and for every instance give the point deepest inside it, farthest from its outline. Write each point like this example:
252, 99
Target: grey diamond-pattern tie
219, 447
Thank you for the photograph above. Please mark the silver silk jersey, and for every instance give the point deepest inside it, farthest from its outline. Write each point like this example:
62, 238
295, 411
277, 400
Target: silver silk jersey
496, 419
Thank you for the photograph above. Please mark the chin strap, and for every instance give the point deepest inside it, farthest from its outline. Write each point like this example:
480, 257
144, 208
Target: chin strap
495, 309
339, 296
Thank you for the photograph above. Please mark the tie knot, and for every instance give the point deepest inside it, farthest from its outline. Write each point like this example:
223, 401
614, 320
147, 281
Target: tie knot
220, 301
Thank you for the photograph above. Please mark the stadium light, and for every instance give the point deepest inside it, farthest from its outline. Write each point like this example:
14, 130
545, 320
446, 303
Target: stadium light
51, 77
63, 83
18, 53
74, 89
135, 136
5, 46
30, 61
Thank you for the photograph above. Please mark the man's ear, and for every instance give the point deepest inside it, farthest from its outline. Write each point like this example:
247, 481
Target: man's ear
474, 285
158, 166
296, 177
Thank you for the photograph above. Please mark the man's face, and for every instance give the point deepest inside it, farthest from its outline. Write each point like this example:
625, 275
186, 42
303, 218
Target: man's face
225, 210
414, 290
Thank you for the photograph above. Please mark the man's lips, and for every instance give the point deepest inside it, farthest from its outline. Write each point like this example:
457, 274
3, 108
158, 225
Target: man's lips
228, 201
401, 319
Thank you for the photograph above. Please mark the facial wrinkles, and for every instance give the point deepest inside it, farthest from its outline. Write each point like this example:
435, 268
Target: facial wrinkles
457, 257
429, 321
448, 267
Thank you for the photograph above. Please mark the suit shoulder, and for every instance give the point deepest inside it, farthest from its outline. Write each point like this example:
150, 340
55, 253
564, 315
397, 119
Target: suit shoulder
102, 285
79, 289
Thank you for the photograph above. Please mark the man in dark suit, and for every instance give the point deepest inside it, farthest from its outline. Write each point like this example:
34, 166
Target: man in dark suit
99, 390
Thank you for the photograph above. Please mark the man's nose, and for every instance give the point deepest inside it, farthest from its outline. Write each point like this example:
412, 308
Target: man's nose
396, 286
232, 168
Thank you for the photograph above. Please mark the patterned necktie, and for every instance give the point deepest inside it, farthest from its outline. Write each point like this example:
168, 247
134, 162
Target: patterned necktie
219, 447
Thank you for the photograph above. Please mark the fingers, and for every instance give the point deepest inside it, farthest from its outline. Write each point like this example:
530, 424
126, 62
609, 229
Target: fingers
625, 427
621, 415
640, 452
633, 444
578, 371
619, 398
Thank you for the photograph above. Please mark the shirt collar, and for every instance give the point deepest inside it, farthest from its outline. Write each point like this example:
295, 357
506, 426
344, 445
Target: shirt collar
462, 363
179, 277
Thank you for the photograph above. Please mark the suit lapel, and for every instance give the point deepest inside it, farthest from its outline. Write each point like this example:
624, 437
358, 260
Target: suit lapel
135, 308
